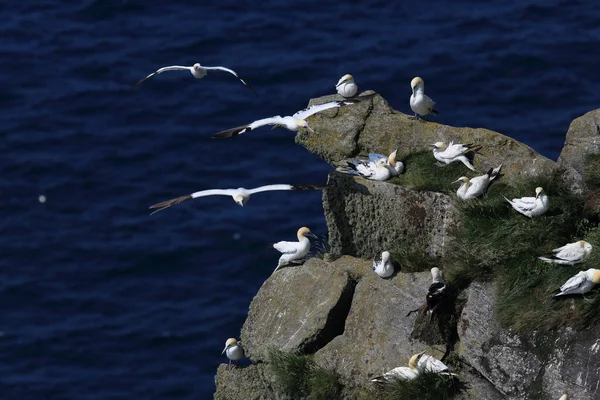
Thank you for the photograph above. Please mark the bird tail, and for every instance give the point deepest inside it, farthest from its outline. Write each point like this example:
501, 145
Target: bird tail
166, 204
465, 161
435, 112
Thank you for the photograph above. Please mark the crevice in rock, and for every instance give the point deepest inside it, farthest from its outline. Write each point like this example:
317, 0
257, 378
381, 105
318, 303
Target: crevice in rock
336, 321
475, 372
361, 128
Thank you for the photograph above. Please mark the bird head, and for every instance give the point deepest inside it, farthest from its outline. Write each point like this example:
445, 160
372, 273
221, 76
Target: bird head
197, 66
241, 200
346, 78
586, 246
439, 145
392, 158
229, 343
538, 191
385, 256
412, 363
417, 83
461, 180
305, 232
595, 276
303, 124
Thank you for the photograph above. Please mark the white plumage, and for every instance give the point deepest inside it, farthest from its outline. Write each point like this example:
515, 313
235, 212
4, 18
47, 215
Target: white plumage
531, 206
294, 251
233, 350
384, 268
376, 171
452, 152
476, 186
569, 254
346, 86
420, 103
397, 167
198, 71
580, 283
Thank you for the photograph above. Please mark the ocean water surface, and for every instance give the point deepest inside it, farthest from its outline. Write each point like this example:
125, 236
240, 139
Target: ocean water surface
99, 299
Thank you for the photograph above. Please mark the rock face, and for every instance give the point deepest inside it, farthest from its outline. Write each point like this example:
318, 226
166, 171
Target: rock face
373, 126
359, 325
583, 138
365, 218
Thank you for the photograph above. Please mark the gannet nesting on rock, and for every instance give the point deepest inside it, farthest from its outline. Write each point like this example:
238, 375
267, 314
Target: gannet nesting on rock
375, 171
452, 152
420, 103
346, 86
475, 187
198, 72
569, 254
384, 268
293, 123
580, 283
233, 350
239, 195
397, 167
531, 206
405, 373
436, 291
294, 251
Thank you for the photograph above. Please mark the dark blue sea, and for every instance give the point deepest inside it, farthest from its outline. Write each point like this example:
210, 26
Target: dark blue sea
100, 300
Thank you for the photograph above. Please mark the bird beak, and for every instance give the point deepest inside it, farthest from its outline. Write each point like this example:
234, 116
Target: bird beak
224, 349
312, 235
338, 85
456, 181
310, 129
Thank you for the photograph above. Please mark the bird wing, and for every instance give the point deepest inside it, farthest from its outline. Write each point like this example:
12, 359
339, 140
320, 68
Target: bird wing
232, 72
246, 128
455, 150
401, 372
269, 188
286, 247
376, 156
431, 364
574, 282
570, 252
307, 112
168, 203
163, 69
524, 203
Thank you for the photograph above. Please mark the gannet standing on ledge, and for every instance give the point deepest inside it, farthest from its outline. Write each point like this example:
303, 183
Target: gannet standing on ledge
346, 86
531, 206
420, 103
294, 251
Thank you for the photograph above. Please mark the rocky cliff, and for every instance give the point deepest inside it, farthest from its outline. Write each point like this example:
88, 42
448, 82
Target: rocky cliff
337, 310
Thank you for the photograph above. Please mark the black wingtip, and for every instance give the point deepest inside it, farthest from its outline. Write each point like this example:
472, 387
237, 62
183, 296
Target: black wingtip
435, 112
308, 187
230, 132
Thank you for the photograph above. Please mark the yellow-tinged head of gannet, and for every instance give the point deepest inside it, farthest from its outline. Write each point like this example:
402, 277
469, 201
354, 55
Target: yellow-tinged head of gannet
346, 78
392, 158
538, 191
564, 397
462, 179
300, 123
440, 145
230, 342
304, 232
596, 276
240, 199
417, 83
412, 363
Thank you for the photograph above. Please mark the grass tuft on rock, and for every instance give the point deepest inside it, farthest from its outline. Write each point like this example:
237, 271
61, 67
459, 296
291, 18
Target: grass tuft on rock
427, 386
592, 171
300, 377
500, 244
422, 173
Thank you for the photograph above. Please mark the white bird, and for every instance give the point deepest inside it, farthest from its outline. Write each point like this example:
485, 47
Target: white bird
449, 153
420, 103
531, 206
431, 364
294, 251
293, 123
233, 350
346, 86
580, 283
436, 291
384, 268
239, 195
376, 171
404, 373
198, 71
569, 254
397, 166
476, 186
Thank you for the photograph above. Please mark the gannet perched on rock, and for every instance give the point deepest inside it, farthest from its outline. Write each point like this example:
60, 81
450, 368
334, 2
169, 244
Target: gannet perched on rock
580, 283
233, 349
420, 103
452, 152
475, 187
239, 195
531, 206
375, 171
569, 254
384, 268
294, 251
346, 86
405, 373
396, 166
